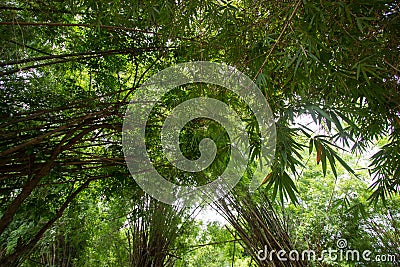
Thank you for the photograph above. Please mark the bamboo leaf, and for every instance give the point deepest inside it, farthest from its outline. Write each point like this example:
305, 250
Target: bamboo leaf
266, 178
323, 160
344, 164
332, 163
319, 152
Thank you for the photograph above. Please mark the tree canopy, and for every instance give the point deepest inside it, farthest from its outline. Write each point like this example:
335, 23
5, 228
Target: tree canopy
68, 69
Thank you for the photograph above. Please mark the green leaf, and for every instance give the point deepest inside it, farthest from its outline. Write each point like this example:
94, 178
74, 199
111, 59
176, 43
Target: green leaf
344, 164
336, 121
359, 25
322, 112
289, 187
323, 160
332, 163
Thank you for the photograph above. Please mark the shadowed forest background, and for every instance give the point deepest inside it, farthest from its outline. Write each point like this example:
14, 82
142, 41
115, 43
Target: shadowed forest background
328, 69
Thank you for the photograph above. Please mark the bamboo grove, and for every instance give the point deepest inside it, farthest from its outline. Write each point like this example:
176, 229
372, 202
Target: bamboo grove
68, 70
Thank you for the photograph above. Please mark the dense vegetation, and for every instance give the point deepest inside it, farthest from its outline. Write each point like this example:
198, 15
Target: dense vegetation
328, 69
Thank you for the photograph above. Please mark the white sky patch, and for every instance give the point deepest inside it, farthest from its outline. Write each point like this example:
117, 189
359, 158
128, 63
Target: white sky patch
208, 215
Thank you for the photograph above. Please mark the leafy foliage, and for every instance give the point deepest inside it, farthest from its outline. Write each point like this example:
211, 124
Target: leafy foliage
68, 70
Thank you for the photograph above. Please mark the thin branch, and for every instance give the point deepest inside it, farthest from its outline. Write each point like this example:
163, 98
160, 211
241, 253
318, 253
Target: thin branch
49, 24
213, 244
98, 53
277, 40
86, 25
30, 47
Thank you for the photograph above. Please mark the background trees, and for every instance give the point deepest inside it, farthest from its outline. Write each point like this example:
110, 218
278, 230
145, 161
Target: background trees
68, 70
